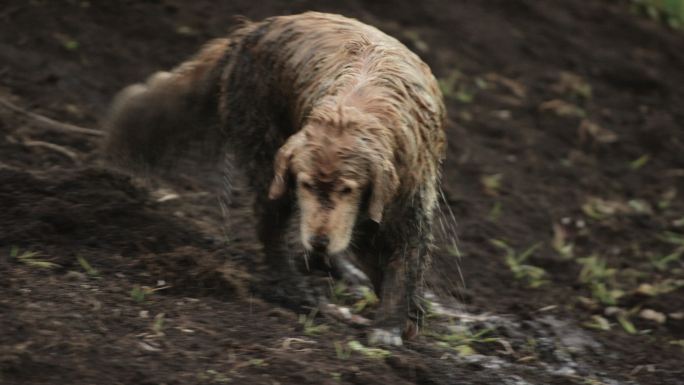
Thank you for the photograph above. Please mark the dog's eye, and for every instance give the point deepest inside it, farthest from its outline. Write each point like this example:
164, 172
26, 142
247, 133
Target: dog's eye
346, 190
307, 185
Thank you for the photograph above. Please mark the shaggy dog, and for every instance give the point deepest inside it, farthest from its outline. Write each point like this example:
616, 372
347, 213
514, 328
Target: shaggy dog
348, 119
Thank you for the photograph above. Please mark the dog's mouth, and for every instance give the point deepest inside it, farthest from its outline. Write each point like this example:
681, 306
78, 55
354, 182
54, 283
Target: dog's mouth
319, 261
321, 255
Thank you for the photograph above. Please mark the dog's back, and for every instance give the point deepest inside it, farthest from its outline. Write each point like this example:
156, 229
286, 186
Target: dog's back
287, 68
255, 88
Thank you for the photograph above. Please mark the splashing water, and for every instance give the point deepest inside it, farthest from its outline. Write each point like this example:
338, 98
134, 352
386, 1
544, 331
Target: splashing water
449, 257
225, 198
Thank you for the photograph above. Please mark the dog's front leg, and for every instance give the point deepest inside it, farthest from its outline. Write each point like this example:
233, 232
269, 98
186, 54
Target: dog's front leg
273, 217
401, 312
283, 283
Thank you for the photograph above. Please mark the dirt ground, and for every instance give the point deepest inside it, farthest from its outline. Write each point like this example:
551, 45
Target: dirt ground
565, 132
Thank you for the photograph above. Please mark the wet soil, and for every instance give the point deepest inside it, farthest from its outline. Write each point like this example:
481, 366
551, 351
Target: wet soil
565, 131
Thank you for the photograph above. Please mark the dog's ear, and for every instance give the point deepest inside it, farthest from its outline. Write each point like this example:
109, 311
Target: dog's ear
384, 184
282, 163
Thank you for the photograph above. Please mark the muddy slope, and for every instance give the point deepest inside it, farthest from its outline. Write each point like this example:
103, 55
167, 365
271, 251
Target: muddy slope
565, 132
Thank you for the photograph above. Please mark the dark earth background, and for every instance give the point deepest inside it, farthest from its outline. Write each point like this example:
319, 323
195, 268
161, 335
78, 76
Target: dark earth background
565, 132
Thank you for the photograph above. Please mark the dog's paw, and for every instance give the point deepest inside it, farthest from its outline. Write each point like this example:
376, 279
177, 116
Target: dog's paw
384, 337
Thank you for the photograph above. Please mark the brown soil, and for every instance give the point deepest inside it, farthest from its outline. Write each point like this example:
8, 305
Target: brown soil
176, 295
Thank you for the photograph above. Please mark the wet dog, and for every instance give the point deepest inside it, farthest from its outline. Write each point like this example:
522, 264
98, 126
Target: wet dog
328, 117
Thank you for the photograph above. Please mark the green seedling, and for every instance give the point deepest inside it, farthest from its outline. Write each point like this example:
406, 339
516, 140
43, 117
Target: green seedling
31, 259
639, 162
607, 296
670, 12
534, 276
481, 83
342, 352
597, 208
662, 262
212, 375
140, 293
71, 45
461, 340
158, 325
663, 287
369, 299
491, 183
86, 266
464, 95
595, 268
495, 212
448, 84
640, 206
356, 346
666, 200
626, 324
310, 327
257, 362
342, 296
597, 275
560, 243
673, 238
597, 322
339, 293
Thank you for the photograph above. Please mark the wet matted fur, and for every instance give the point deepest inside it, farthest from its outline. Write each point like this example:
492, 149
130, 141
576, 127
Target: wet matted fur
328, 117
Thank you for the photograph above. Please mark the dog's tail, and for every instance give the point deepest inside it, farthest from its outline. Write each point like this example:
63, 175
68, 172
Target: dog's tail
150, 125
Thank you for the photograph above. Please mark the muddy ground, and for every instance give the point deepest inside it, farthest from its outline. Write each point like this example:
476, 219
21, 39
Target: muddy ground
565, 138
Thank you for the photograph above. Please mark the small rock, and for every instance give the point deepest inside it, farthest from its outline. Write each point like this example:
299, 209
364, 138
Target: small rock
652, 315
677, 316
74, 275
587, 303
612, 310
646, 289
147, 347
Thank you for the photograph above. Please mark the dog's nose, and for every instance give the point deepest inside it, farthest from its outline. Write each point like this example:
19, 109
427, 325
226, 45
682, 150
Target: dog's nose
319, 242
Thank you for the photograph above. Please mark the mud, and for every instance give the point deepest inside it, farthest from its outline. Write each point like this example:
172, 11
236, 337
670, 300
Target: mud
577, 106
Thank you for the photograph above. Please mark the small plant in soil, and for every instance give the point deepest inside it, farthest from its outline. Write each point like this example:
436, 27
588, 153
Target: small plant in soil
534, 276
309, 325
462, 339
87, 267
356, 346
32, 259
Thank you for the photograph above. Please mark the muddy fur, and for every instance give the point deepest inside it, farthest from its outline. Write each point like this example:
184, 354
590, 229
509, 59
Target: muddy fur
314, 96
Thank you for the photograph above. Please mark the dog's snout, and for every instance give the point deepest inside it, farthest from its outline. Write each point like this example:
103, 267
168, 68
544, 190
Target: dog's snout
319, 242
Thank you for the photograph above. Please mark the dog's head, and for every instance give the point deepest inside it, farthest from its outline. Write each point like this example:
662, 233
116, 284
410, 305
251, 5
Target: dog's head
335, 173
